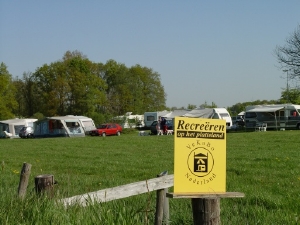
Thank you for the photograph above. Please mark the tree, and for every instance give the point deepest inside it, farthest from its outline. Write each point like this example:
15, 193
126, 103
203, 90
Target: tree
7, 94
148, 90
75, 85
118, 93
137, 89
20, 110
49, 87
191, 106
290, 96
26, 96
87, 88
288, 56
239, 107
70, 86
205, 105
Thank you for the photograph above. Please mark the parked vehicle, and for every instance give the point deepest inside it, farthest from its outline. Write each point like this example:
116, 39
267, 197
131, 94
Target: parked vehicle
153, 129
86, 123
150, 117
280, 116
107, 129
238, 120
26, 132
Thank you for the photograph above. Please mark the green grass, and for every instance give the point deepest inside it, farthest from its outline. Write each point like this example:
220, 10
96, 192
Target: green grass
263, 165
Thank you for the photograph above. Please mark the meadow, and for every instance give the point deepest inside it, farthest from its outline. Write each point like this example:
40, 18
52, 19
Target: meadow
263, 165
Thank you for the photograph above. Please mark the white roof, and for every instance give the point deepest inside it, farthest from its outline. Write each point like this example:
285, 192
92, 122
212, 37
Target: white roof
18, 121
200, 113
241, 113
265, 109
177, 112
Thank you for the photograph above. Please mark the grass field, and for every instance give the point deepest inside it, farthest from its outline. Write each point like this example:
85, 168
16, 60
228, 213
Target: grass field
263, 165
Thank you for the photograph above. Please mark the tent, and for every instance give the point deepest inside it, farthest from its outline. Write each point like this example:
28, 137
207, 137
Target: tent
13, 126
176, 112
211, 113
61, 126
200, 113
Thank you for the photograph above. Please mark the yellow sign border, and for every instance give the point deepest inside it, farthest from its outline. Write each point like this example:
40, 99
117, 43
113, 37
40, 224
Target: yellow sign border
199, 155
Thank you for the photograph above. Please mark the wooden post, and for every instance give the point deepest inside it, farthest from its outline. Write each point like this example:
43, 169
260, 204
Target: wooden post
44, 184
206, 211
206, 206
24, 177
162, 204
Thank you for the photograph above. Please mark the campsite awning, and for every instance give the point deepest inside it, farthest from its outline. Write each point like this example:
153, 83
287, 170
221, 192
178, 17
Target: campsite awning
265, 109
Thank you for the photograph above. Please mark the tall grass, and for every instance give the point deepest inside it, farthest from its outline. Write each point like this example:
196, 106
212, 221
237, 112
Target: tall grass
263, 165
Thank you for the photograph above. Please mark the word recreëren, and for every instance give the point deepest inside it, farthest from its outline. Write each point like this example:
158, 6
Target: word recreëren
199, 126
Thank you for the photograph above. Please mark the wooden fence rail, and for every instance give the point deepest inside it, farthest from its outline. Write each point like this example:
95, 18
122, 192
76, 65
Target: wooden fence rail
205, 206
122, 191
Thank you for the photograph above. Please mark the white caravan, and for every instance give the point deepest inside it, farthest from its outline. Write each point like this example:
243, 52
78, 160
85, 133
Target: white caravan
149, 117
280, 116
130, 121
86, 123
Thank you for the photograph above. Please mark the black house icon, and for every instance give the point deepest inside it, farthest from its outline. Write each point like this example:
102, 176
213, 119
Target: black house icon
201, 163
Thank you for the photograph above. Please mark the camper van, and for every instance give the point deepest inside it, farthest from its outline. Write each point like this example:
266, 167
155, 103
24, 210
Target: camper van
149, 117
281, 116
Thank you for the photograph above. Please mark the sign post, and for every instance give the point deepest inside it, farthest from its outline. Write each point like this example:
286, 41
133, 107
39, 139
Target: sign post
200, 166
200, 156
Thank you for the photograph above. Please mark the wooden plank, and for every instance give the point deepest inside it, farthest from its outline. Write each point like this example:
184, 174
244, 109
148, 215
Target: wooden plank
119, 192
206, 195
162, 204
24, 178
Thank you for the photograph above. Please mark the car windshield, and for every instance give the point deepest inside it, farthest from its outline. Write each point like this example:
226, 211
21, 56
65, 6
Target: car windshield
168, 122
23, 129
103, 126
154, 123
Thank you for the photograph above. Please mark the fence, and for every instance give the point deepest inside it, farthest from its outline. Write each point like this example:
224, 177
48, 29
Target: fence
205, 206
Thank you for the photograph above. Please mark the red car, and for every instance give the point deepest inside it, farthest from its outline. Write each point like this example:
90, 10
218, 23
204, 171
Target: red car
107, 129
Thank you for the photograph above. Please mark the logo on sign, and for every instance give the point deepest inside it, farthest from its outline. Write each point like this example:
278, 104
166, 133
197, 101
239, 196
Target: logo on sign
200, 162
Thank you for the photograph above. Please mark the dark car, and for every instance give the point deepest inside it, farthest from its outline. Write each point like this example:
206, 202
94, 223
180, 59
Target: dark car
26, 132
153, 129
106, 130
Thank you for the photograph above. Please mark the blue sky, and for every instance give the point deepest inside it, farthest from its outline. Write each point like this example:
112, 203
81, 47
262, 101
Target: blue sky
205, 51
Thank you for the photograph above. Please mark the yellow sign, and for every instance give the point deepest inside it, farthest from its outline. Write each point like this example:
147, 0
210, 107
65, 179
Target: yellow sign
199, 155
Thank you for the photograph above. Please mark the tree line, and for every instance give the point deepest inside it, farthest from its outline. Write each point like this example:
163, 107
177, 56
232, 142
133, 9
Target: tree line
75, 85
